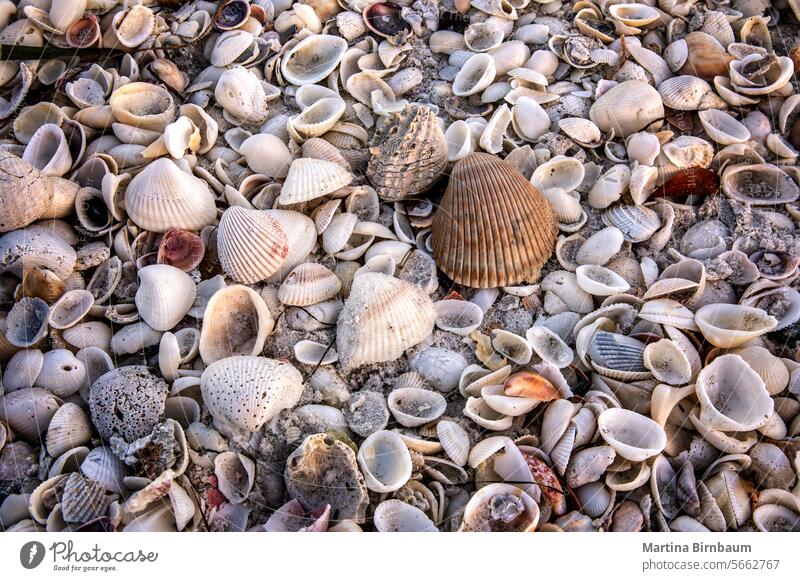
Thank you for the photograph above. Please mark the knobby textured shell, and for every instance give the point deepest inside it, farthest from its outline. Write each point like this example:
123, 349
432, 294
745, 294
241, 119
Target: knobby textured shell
409, 153
248, 391
493, 228
382, 317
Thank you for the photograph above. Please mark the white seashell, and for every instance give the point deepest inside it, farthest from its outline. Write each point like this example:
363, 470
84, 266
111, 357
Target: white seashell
236, 475
483, 36
482, 414
236, 321
242, 96
560, 172
529, 119
759, 184
68, 429
134, 339
772, 370
485, 449
511, 346
688, 93
476, 74
48, 151
636, 223
142, 105
459, 317
723, 128
549, 346
634, 437
600, 247
413, 407
454, 440
309, 179
70, 308
28, 412
440, 368
600, 281
668, 312
101, 465
396, 516
312, 59
668, 362
494, 396
229, 47
164, 296
22, 370
730, 326
385, 461
338, 232
491, 508
627, 108
459, 140
562, 293
643, 182
248, 391
266, 155
610, 187
61, 373
252, 245
582, 131
318, 118
493, 135
643, 148
131, 27
162, 196
308, 284
732, 396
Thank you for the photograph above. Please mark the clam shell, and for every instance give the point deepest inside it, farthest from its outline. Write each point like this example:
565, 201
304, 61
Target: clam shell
382, 317
312, 59
318, 118
248, 391
236, 321
242, 95
413, 407
252, 245
459, 317
143, 105
560, 172
636, 223
102, 466
549, 346
667, 362
61, 373
482, 414
772, 370
491, 508
723, 128
409, 153
486, 448
69, 428
28, 412
627, 108
48, 151
634, 437
759, 184
511, 346
385, 461
600, 281
162, 196
165, 295
395, 516
600, 247
24, 193
668, 312
22, 370
309, 179
529, 119
688, 93
475, 75
496, 398
308, 284
462, 228
730, 326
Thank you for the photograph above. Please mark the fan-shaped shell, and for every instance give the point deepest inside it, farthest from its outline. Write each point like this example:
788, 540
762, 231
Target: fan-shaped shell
252, 245
308, 284
382, 317
409, 153
164, 296
69, 428
162, 196
493, 227
248, 391
309, 179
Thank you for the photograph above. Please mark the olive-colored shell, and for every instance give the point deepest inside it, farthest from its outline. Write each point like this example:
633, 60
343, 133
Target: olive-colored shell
493, 227
409, 153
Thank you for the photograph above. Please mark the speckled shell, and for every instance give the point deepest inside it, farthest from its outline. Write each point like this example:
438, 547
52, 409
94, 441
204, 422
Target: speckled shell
493, 228
24, 193
409, 153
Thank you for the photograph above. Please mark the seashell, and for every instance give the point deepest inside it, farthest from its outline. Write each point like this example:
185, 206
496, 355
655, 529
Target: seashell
181, 249
236, 475
454, 440
26, 323
162, 196
627, 108
588, 465
668, 362
236, 321
732, 396
770, 368
617, 356
706, 57
384, 19
777, 72
688, 93
759, 184
338, 232
483, 36
317, 148
668, 312
242, 95
731, 326
459, 140
600, 247
723, 128
385, 461
634, 437
600, 281
475, 75
230, 47
492, 137
248, 391
308, 284
396, 516
266, 155
61, 373
500, 508
240, 232
312, 59
309, 179
482, 414
63, 13
24, 193
318, 118
103, 467
474, 378
636, 223
610, 186
48, 151
143, 105
440, 368
494, 397
529, 119
83, 500
69, 428
460, 215
413, 407
409, 154
28, 412
582, 131
164, 296
378, 303
636, 15
560, 172
776, 518
459, 317
511, 346
22, 369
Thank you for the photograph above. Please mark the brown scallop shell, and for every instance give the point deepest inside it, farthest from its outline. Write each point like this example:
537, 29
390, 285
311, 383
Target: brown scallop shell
409, 153
493, 228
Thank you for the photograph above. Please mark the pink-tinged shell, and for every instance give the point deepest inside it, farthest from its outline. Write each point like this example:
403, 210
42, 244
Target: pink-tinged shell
181, 249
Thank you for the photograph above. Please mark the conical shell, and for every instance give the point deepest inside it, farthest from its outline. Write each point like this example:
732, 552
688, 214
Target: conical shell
252, 245
409, 154
164, 296
248, 391
163, 196
382, 317
236, 321
309, 179
493, 227
308, 284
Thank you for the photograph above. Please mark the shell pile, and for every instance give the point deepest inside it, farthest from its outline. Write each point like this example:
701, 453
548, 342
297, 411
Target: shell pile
338, 265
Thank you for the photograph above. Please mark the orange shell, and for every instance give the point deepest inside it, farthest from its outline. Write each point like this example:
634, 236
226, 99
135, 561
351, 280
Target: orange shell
531, 386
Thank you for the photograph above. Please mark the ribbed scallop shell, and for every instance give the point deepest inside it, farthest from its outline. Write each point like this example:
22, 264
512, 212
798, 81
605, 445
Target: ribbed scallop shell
617, 352
249, 391
252, 245
317, 148
163, 196
83, 499
382, 317
668, 312
309, 179
69, 428
101, 465
409, 153
308, 284
636, 223
454, 440
493, 228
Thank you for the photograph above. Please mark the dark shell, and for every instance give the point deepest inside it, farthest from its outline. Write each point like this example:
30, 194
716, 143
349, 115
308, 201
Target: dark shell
232, 14
693, 181
181, 249
83, 33
493, 227
384, 19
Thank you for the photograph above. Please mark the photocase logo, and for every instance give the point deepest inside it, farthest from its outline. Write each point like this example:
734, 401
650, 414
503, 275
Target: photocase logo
31, 554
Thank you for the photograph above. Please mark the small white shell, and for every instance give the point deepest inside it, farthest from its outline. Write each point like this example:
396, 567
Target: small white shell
385, 461
413, 406
454, 440
635, 437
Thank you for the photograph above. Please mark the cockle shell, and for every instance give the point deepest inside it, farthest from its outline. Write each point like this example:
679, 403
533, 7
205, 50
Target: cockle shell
382, 317
164, 296
459, 317
465, 237
69, 428
236, 321
162, 196
312, 59
24, 193
252, 245
143, 105
409, 153
308, 284
500, 507
248, 391
723, 128
475, 75
627, 108
28, 412
758, 184
395, 516
242, 96
385, 461
48, 151
413, 406
309, 179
